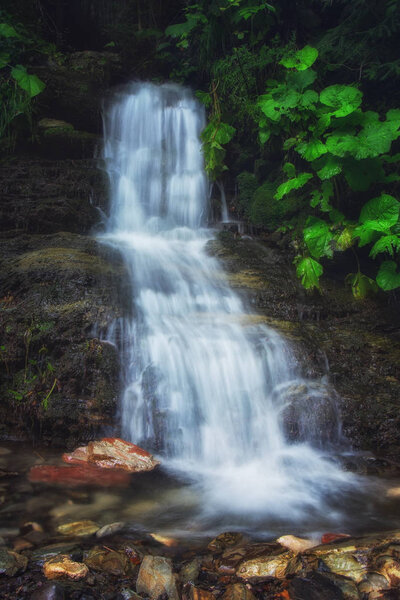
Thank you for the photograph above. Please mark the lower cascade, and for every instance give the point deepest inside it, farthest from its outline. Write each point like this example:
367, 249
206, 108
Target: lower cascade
209, 388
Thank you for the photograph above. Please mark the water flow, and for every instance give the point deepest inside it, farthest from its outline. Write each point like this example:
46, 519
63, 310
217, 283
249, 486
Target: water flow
207, 388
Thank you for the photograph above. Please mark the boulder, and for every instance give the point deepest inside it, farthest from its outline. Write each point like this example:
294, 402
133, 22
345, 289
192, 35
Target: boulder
114, 453
156, 578
296, 544
11, 562
107, 560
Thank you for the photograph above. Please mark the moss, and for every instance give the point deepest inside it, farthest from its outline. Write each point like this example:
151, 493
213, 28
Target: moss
247, 184
247, 279
64, 259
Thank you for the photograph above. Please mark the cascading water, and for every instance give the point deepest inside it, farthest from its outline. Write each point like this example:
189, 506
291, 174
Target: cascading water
206, 387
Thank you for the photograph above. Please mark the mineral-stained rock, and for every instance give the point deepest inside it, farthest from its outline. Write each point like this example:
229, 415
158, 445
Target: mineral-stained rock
78, 528
328, 538
78, 475
11, 562
238, 591
345, 565
389, 568
156, 578
62, 566
109, 561
113, 453
41, 555
372, 582
265, 566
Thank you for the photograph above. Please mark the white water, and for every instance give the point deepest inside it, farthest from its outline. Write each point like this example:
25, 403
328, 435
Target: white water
205, 388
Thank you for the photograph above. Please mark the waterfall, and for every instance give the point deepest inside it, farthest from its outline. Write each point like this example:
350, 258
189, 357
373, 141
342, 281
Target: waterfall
208, 388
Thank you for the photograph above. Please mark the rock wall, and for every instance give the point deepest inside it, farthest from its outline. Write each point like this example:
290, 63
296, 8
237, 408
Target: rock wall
58, 284
355, 344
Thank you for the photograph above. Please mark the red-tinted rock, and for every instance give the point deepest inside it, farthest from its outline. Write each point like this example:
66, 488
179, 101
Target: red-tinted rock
327, 538
85, 474
113, 453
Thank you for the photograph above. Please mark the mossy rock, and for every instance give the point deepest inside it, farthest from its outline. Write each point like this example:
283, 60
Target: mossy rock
247, 184
59, 139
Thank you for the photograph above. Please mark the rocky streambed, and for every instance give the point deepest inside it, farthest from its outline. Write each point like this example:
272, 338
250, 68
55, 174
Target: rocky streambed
104, 535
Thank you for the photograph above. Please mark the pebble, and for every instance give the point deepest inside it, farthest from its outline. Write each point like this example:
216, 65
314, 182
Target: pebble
78, 528
62, 566
156, 578
110, 529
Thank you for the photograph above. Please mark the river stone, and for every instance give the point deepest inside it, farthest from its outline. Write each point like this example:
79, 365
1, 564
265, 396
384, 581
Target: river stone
190, 571
373, 582
110, 529
113, 453
11, 562
156, 578
78, 528
296, 544
238, 591
41, 555
49, 591
346, 586
110, 561
225, 540
265, 566
345, 565
62, 566
389, 568
197, 593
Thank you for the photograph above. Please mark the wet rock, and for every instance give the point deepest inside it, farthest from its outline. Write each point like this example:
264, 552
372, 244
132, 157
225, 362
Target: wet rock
21, 544
265, 566
114, 453
11, 562
109, 561
345, 565
62, 566
49, 591
230, 559
347, 587
110, 529
373, 582
78, 528
78, 475
196, 593
389, 568
296, 544
41, 555
156, 577
226, 540
190, 571
238, 591
314, 587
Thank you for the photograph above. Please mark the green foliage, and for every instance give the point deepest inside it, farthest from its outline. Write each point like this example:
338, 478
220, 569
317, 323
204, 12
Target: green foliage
309, 271
300, 60
318, 238
17, 86
361, 285
214, 137
292, 184
388, 278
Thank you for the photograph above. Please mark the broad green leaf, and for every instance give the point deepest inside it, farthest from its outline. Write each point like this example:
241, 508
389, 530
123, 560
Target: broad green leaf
300, 60
312, 149
30, 83
7, 31
224, 133
387, 243
289, 169
380, 213
361, 285
361, 174
264, 135
337, 217
344, 240
340, 144
374, 139
343, 99
309, 270
292, 184
270, 107
300, 80
328, 166
289, 143
308, 99
318, 237
388, 278
391, 159
365, 234
322, 196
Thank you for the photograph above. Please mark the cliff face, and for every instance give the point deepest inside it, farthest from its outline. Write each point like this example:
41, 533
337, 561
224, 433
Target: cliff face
59, 382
